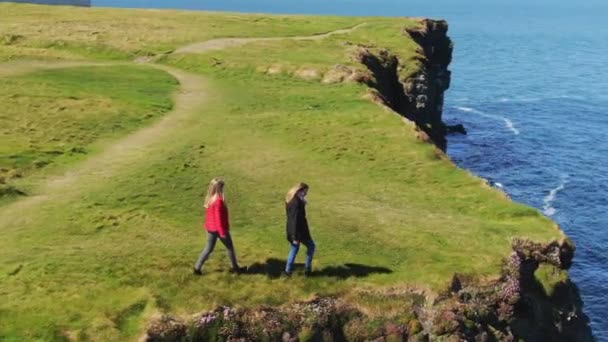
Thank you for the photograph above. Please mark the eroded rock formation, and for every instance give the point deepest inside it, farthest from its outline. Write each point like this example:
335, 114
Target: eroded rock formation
417, 96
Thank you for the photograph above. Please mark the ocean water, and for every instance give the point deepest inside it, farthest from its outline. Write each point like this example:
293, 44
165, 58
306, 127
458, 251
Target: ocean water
530, 84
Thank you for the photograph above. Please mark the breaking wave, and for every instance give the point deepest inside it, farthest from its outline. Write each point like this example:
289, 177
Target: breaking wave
548, 208
508, 123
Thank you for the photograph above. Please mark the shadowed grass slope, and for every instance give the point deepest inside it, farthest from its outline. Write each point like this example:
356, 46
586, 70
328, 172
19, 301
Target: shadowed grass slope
385, 209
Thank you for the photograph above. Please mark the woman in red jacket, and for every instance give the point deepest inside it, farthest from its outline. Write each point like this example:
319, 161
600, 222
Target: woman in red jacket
217, 226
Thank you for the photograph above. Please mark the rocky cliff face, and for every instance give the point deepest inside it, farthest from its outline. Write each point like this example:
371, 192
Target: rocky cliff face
418, 96
533, 300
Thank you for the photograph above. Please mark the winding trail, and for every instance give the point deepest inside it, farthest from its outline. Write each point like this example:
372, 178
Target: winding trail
222, 43
137, 146
121, 154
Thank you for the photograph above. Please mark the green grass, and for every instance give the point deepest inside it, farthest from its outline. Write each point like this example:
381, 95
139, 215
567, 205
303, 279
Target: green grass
290, 55
101, 259
31, 31
55, 117
550, 277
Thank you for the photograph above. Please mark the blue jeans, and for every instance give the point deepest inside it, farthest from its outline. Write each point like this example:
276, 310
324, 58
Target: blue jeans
293, 251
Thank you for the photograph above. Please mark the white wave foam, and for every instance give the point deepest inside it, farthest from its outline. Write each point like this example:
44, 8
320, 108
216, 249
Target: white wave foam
521, 99
508, 123
510, 126
464, 109
537, 99
548, 208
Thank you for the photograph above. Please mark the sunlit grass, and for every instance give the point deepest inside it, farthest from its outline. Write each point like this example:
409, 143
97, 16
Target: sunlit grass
378, 198
99, 260
55, 117
113, 34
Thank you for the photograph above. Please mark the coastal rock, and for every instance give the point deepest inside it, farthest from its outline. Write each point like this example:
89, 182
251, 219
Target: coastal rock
514, 307
456, 129
165, 329
418, 97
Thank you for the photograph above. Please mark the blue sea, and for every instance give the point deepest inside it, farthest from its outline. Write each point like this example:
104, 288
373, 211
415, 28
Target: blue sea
530, 84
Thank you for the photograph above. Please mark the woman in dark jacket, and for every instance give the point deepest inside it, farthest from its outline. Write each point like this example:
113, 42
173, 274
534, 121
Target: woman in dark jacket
297, 227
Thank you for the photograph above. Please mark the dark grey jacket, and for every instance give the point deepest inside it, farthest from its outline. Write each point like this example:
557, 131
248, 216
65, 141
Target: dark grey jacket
297, 225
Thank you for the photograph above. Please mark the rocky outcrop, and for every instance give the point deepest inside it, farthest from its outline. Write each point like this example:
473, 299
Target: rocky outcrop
417, 96
322, 319
533, 300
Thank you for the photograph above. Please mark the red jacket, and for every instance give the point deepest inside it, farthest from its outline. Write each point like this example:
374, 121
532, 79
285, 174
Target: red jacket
216, 217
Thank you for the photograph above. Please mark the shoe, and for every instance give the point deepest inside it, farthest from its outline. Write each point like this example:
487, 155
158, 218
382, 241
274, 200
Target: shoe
287, 274
196, 272
238, 270
308, 273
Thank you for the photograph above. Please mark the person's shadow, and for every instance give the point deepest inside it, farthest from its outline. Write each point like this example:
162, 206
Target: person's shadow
273, 268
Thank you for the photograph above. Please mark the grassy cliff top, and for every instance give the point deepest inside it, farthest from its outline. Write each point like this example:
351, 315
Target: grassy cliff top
105, 161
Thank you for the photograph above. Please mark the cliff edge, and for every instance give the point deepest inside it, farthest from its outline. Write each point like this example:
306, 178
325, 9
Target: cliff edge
100, 244
533, 299
417, 96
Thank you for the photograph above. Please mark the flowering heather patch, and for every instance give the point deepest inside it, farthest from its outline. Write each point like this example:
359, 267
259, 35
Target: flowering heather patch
510, 288
471, 311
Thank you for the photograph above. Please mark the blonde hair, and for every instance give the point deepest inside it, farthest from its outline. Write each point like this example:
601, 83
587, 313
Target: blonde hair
294, 190
215, 189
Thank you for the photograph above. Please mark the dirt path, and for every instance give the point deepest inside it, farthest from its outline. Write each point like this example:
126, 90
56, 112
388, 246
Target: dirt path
138, 145
121, 154
190, 96
222, 43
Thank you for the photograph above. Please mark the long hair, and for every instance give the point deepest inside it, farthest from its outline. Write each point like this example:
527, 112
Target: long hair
215, 189
294, 191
